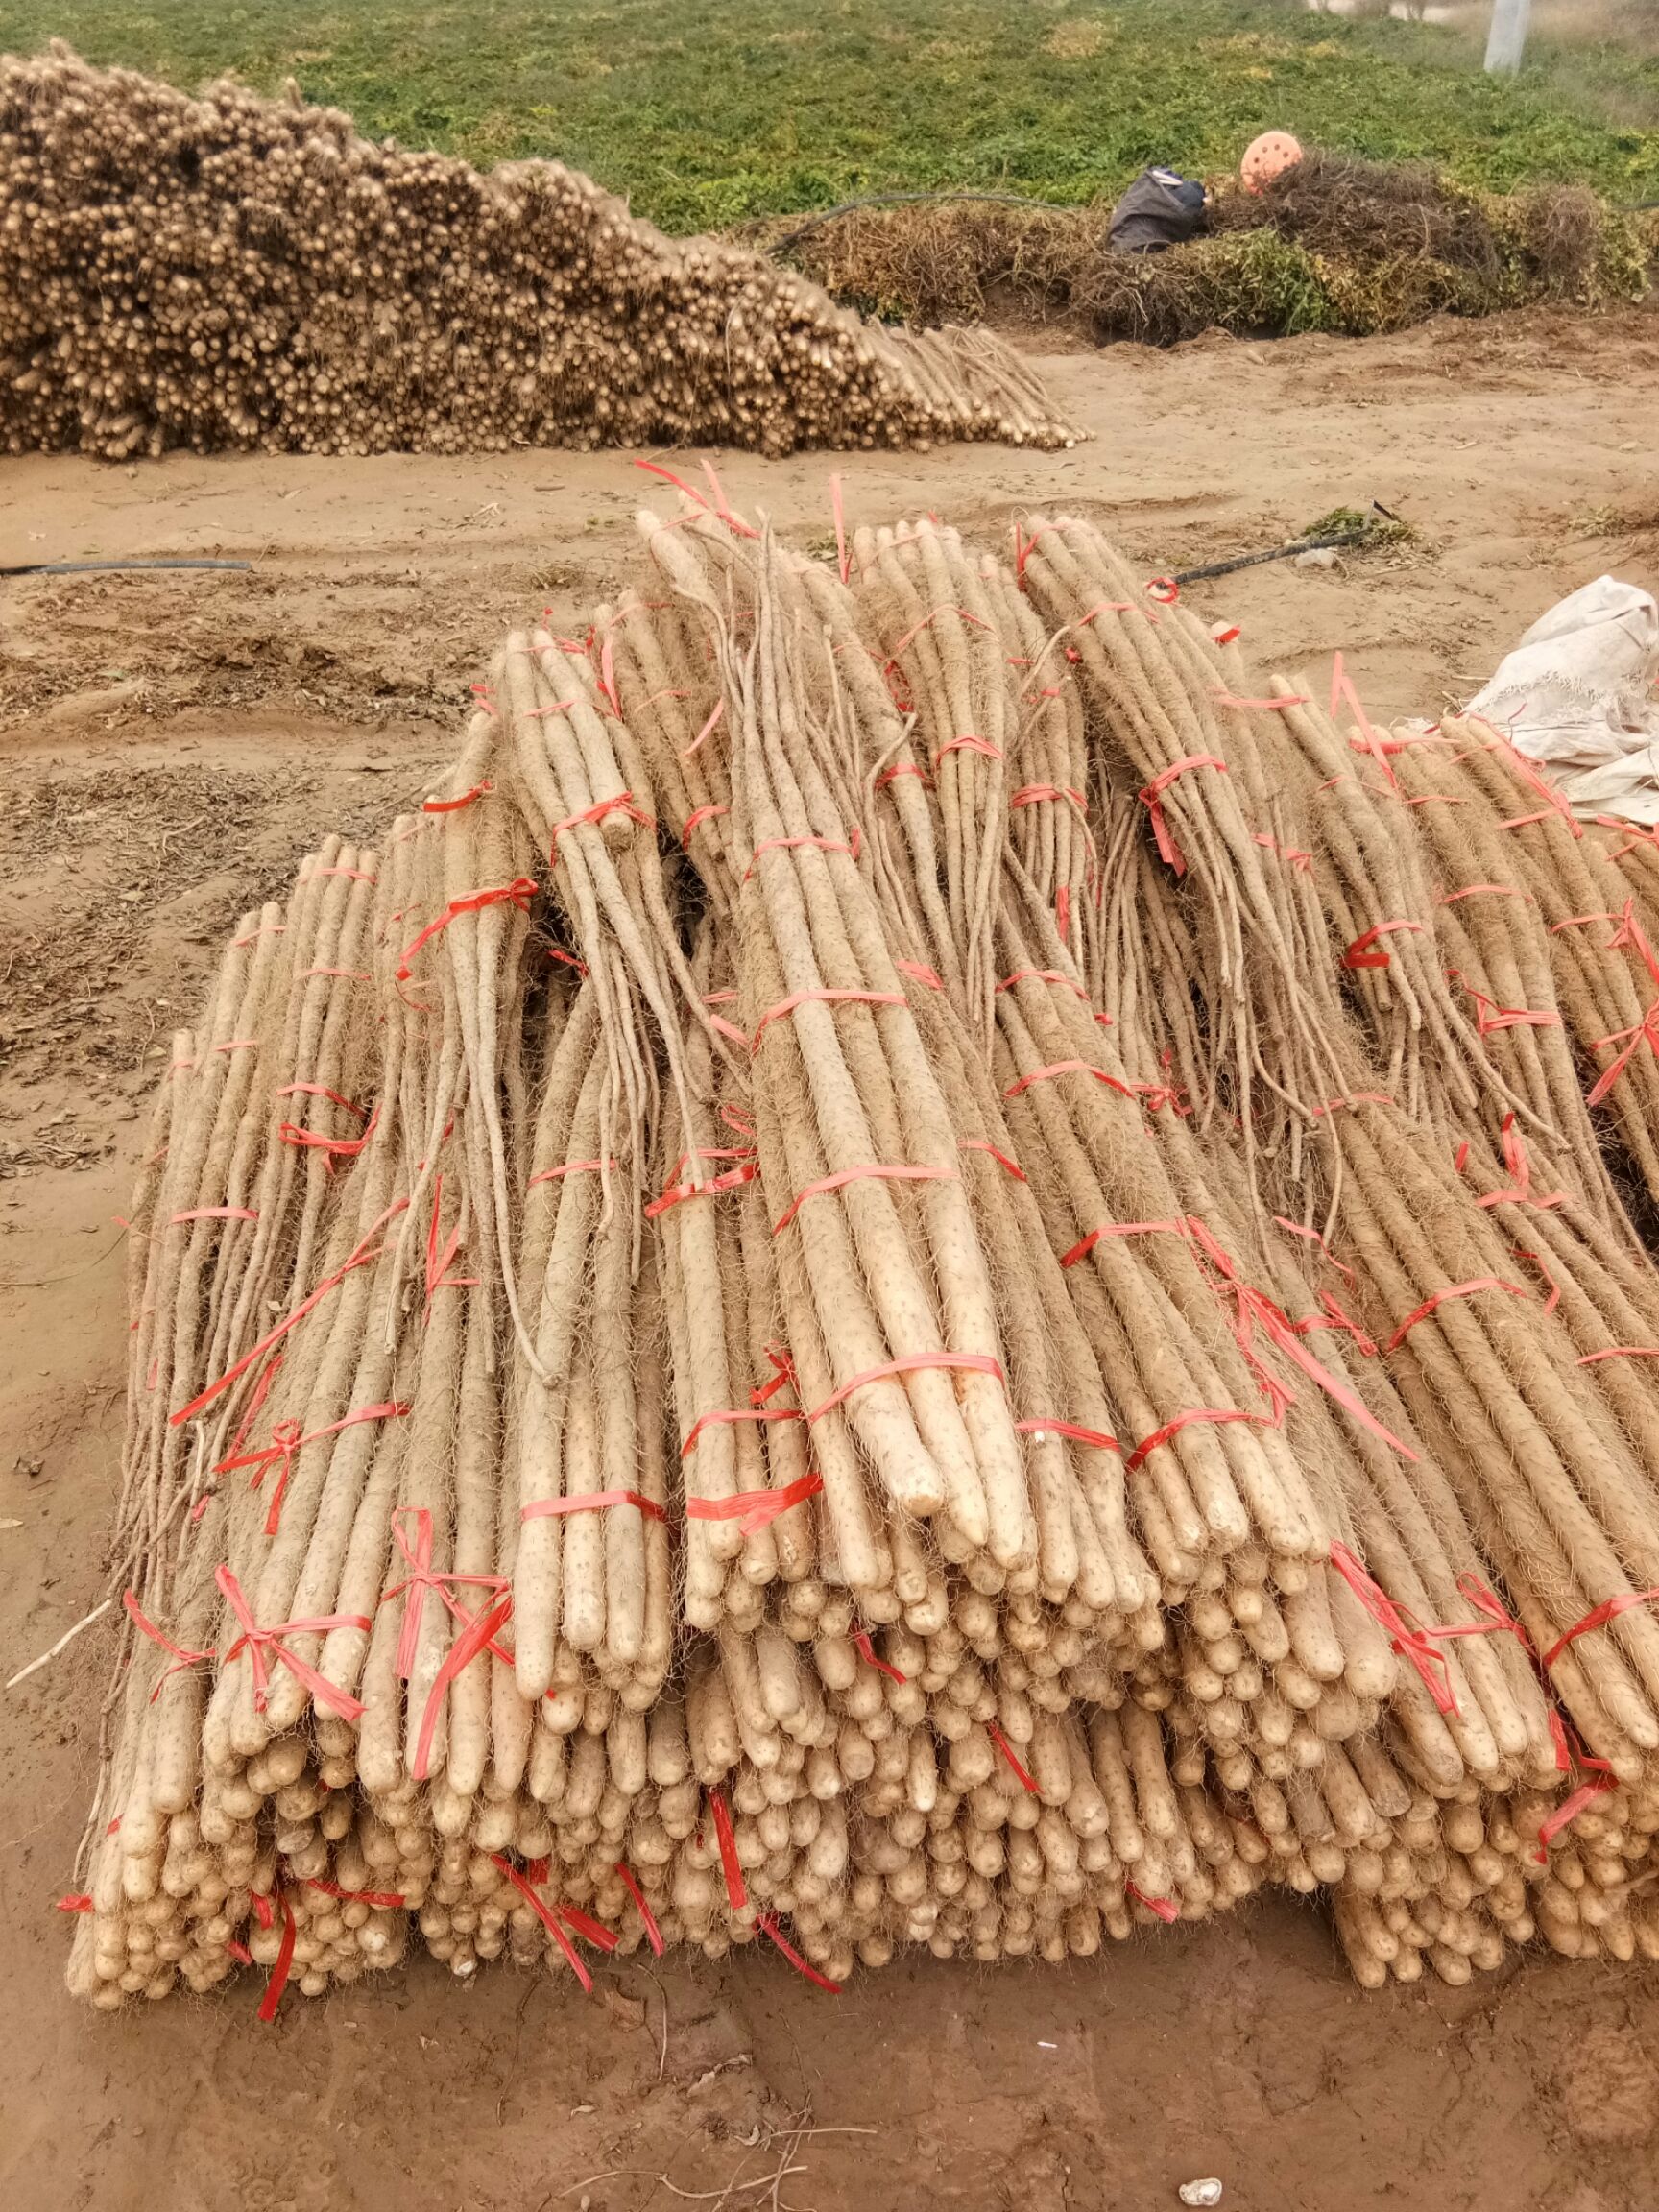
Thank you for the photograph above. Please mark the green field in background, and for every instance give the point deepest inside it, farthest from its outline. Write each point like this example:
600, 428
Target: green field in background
707, 112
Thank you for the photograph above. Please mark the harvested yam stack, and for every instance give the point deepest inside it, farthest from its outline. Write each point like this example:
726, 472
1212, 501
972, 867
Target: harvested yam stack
920, 1266
235, 273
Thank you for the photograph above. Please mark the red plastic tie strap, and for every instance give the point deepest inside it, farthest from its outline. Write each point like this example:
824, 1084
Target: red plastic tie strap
618, 803
1166, 1910
735, 1890
823, 997
843, 558
591, 1930
1313, 1236
454, 806
967, 744
916, 627
846, 1175
422, 1578
653, 1933
1453, 1290
752, 1509
1086, 1244
724, 1417
698, 815
148, 1627
333, 1147
477, 1636
1163, 588
783, 1376
1291, 854
1097, 1437
285, 1441
1555, 1298
1218, 1415
1150, 796
520, 892
1007, 1750
1629, 935
1068, 1068
905, 768
79, 1901
1569, 1809
1554, 800
1024, 548
381, 1900
923, 974
1342, 688
677, 1193
706, 729
548, 1918
1359, 955
570, 1167
1042, 976
1499, 890
1102, 607
440, 1261
319, 1091
984, 1145
656, 468
1519, 1191
1489, 1016
278, 1981
1290, 699
768, 1926
1414, 1644
1599, 1616
592, 1501
975, 1363
1033, 792
867, 1651
256, 1642
853, 847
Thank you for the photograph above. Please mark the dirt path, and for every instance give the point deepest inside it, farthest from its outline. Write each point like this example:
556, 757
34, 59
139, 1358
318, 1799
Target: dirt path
169, 747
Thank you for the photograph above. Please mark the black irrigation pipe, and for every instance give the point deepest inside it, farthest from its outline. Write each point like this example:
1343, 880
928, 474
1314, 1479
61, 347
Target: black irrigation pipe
90, 568
1278, 553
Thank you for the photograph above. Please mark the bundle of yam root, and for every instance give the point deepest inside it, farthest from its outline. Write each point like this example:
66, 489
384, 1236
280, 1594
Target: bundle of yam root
235, 272
919, 1266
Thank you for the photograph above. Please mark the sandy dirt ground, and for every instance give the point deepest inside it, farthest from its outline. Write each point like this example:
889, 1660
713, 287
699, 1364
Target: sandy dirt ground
169, 748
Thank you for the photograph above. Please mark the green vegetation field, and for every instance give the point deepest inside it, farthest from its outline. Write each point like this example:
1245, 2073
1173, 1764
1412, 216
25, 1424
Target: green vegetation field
707, 112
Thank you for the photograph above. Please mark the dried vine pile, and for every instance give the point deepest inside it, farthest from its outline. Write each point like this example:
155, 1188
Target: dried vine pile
920, 1266
235, 273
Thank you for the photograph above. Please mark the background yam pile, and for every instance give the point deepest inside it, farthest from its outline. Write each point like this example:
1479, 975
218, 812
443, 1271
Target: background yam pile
921, 1266
235, 273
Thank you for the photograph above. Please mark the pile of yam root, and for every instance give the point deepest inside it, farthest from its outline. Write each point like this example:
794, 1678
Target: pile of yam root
236, 272
920, 1266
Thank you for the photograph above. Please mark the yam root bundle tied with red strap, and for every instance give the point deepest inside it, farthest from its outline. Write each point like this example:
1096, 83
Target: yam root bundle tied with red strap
920, 1265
